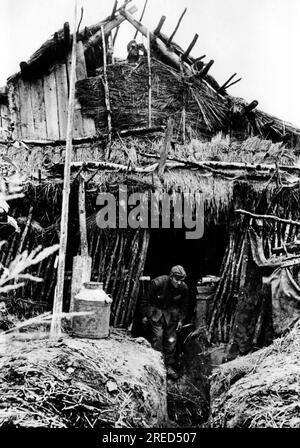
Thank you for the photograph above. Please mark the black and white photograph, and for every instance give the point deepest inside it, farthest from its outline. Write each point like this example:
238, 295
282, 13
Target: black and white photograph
149, 218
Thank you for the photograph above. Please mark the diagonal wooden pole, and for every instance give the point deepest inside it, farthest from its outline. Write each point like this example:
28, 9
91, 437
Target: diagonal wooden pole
55, 329
141, 18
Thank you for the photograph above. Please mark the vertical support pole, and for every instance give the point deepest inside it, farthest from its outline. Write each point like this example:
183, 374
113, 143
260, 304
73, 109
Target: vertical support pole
149, 80
106, 90
55, 329
82, 264
82, 217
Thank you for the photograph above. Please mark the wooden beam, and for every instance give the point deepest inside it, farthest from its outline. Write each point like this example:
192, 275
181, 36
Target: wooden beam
189, 48
55, 329
96, 38
159, 26
176, 27
172, 58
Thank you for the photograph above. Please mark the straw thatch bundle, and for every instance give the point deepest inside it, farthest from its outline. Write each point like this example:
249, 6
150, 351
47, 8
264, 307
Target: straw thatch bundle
206, 112
260, 390
115, 382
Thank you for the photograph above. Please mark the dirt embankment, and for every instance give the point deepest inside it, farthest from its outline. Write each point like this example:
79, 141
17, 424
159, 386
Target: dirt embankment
81, 383
261, 389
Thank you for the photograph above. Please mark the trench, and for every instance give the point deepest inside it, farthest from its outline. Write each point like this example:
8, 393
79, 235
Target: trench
188, 398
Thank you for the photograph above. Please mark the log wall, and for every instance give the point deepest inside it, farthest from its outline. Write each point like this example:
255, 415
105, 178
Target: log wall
39, 107
4, 114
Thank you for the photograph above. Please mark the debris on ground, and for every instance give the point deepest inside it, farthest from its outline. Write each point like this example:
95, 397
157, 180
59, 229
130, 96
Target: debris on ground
260, 390
81, 383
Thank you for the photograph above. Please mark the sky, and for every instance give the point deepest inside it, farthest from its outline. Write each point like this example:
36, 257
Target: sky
257, 39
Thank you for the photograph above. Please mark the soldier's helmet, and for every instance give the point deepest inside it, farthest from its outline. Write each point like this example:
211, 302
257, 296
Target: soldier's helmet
178, 272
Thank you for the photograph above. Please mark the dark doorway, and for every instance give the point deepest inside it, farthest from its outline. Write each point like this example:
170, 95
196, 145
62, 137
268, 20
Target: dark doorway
199, 257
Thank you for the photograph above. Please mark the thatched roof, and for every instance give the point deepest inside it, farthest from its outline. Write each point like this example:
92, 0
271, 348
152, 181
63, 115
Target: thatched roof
177, 82
213, 168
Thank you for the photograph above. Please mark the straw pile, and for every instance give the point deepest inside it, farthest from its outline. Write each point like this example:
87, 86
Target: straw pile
115, 382
206, 112
260, 390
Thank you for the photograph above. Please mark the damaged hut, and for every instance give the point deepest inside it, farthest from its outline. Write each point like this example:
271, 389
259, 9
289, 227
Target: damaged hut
156, 124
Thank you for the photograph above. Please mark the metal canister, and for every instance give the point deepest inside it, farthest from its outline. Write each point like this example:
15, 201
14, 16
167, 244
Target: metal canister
92, 299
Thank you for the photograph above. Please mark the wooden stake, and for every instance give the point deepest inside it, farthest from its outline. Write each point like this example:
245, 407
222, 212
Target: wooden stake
176, 28
251, 106
271, 217
55, 329
149, 81
165, 147
234, 82
205, 69
25, 231
159, 26
106, 90
224, 86
112, 16
141, 18
82, 218
190, 47
183, 123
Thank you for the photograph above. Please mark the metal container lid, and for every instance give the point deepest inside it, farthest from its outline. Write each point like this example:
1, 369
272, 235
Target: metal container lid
93, 285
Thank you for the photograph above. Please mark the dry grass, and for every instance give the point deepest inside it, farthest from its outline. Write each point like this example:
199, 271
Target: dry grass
260, 389
77, 383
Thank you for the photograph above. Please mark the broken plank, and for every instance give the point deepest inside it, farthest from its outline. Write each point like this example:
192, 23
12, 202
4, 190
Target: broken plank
26, 115
62, 97
4, 114
38, 108
77, 123
88, 124
51, 108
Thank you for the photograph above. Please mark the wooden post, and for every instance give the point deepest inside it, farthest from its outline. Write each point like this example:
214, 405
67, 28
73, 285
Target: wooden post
82, 264
159, 26
190, 47
205, 69
141, 18
82, 217
106, 90
149, 81
55, 329
176, 28
165, 147
234, 82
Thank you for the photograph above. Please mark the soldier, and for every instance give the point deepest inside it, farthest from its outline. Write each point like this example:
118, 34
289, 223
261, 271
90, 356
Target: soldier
165, 309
